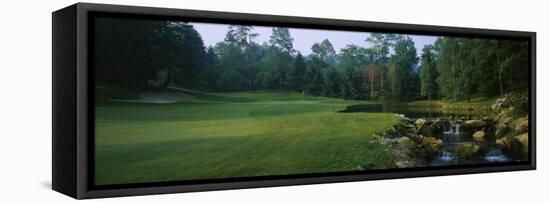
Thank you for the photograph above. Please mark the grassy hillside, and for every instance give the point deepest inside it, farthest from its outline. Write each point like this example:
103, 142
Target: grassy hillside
222, 135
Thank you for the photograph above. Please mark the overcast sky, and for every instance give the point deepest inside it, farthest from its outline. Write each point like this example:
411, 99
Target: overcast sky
303, 38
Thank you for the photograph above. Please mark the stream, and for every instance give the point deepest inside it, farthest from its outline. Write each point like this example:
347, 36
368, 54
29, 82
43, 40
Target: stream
457, 143
452, 138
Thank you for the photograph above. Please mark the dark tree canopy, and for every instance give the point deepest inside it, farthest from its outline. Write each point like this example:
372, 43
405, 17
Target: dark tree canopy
152, 53
136, 53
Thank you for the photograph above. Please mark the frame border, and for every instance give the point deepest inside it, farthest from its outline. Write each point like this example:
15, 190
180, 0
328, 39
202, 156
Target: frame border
84, 89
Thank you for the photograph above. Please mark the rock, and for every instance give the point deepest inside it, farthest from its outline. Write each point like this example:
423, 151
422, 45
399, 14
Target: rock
389, 141
406, 142
501, 103
467, 149
404, 158
434, 129
503, 130
522, 124
426, 130
377, 139
412, 130
405, 164
523, 139
392, 132
479, 135
474, 124
420, 122
432, 143
515, 146
503, 117
407, 126
504, 143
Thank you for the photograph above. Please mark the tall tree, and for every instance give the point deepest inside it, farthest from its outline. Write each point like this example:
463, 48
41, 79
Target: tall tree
282, 49
243, 36
181, 39
313, 77
372, 75
447, 66
210, 72
353, 56
428, 73
381, 45
404, 80
330, 82
296, 75
351, 83
282, 40
325, 51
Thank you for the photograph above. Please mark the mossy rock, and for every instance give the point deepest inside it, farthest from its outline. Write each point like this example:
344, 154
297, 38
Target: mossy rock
470, 125
467, 150
420, 122
432, 143
521, 125
431, 130
515, 146
479, 135
523, 139
406, 142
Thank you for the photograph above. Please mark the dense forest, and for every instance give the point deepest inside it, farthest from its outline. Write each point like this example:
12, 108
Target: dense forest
157, 54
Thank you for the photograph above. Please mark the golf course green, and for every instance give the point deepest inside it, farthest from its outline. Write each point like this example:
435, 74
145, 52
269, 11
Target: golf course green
207, 135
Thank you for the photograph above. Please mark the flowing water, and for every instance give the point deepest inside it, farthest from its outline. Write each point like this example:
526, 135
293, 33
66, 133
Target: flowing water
454, 140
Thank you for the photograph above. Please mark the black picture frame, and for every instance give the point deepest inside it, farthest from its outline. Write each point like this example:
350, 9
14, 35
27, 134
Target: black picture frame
73, 101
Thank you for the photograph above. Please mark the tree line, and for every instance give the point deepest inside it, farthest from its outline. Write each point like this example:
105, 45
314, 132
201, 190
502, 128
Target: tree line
143, 54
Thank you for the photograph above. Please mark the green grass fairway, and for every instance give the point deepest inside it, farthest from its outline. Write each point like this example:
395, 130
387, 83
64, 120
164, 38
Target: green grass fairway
224, 135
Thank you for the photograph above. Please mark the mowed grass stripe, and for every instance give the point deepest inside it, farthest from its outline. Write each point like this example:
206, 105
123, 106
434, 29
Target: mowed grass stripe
167, 142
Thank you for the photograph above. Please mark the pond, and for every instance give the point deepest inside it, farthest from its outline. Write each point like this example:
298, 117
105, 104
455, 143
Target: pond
415, 112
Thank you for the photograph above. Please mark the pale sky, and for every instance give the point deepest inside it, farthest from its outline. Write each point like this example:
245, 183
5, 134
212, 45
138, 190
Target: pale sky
303, 38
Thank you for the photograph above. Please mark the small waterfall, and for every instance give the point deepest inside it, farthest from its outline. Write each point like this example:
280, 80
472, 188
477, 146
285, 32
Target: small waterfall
446, 156
496, 155
454, 128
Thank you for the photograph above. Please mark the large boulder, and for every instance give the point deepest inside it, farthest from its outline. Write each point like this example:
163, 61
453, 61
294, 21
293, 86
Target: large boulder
521, 125
420, 122
467, 149
473, 125
501, 103
394, 131
479, 135
523, 139
406, 143
434, 129
403, 157
403, 128
515, 146
432, 143
507, 124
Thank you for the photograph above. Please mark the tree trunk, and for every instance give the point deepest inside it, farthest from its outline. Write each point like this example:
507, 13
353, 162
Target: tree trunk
499, 66
500, 80
280, 82
168, 77
453, 72
372, 84
382, 84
